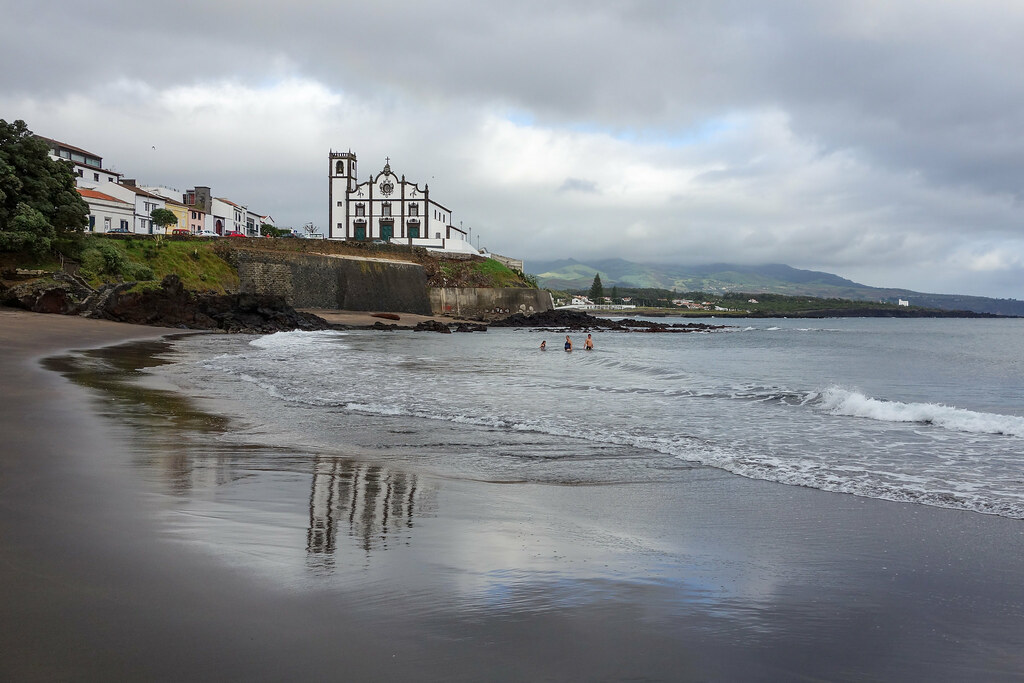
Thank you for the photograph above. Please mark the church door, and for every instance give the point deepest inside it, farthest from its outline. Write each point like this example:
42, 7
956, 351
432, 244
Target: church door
387, 231
414, 230
360, 232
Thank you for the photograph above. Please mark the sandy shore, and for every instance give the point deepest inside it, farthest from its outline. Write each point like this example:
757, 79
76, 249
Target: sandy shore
118, 561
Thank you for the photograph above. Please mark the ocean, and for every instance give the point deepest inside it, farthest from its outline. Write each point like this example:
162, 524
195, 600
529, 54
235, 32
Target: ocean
929, 412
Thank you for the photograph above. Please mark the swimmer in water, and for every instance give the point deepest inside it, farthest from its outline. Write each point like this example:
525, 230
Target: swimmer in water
544, 345
589, 344
568, 343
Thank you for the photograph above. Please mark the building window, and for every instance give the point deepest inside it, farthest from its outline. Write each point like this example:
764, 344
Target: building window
81, 173
92, 222
339, 167
437, 235
96, 177
360, 209
414, 209
341, 203
124, 224
106, 224
386, 209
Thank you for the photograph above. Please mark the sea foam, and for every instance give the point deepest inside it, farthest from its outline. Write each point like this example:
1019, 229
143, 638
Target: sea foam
839, 401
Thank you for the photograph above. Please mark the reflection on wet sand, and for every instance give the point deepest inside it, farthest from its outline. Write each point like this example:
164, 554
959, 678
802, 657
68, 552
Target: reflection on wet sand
374, 503
175, 445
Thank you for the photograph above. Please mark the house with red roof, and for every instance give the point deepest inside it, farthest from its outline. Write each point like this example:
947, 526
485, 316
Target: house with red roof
107, 213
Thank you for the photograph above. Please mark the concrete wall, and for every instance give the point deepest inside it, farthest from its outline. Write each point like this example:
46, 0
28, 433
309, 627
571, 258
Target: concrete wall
488, 303
352, 284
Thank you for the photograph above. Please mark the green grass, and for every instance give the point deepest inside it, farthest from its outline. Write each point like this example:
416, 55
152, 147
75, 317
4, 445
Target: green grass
197, 263
499, 274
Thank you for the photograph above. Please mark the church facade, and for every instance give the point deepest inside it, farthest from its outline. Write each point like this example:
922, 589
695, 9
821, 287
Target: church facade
389, 208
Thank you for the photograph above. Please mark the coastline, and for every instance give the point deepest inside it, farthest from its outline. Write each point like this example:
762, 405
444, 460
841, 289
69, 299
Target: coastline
711, 576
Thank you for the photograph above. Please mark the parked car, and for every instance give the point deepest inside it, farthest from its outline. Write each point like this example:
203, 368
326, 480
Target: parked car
180, 231
207, 233
118, 230
288, 234
235, 233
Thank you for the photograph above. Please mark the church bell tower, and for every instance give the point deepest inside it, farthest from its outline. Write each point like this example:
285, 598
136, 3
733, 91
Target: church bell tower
342, 178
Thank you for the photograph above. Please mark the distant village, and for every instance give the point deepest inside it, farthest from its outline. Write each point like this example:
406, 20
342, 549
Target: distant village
386, 208
586, 303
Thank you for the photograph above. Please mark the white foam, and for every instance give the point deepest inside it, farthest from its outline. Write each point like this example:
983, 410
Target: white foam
295, 339
839, 401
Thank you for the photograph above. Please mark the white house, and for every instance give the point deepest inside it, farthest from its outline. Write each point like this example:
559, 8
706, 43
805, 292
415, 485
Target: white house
143, 201
107, 213
387, 207
88, 167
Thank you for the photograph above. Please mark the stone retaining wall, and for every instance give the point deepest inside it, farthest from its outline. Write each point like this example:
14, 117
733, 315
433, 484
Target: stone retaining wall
488, 303
317, 281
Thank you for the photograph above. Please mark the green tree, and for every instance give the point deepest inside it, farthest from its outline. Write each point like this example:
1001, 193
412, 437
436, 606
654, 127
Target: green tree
164, 218
38, 199
596, 289
615, 294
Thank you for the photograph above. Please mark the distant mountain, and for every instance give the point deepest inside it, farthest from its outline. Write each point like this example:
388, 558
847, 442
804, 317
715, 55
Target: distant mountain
727, 277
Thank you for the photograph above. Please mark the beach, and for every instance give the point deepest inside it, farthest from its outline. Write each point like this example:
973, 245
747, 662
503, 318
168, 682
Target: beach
147, 533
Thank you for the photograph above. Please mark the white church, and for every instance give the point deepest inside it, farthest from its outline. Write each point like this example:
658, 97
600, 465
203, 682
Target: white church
389, 208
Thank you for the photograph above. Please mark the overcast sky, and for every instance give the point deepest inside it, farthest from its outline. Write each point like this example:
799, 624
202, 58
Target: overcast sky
879, 140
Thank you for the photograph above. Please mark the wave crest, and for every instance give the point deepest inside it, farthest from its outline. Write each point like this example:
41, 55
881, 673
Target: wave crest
839, 401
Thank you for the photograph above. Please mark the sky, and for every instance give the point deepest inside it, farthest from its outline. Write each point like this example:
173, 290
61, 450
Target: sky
878, 140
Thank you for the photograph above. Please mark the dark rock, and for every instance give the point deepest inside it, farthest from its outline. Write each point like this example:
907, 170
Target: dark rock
42, 296
572, 320
173, 306
432, 326
386, 316
470, 327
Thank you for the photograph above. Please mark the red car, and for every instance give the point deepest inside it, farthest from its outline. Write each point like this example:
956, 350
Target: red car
235, 233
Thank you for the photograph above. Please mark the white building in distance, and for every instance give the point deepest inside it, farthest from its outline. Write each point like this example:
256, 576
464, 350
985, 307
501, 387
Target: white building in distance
88, 167
389, 208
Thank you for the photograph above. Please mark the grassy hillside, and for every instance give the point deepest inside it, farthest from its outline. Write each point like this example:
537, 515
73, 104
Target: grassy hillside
205, 265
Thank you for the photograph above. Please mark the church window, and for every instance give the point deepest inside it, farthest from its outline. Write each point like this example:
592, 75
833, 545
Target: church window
386, 209
340, 168
341, 203
414, 209
360, 209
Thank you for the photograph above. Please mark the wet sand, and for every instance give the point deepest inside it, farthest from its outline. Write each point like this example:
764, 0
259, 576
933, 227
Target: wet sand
136, 545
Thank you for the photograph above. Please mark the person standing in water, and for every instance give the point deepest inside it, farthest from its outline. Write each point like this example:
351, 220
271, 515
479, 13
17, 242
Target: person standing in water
568, 343
544, 345
589, 344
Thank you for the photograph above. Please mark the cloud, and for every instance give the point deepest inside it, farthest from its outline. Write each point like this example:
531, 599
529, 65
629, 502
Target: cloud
579, 185
875, 140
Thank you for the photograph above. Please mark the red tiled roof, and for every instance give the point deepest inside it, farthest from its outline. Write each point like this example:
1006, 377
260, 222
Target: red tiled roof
93, 194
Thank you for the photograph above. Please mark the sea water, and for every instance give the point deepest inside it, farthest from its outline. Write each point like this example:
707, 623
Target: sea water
922, 411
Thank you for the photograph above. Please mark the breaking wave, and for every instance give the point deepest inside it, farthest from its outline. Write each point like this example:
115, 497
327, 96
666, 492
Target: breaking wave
838, 401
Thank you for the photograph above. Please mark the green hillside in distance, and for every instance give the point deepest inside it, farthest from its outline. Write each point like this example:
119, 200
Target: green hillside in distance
720, 278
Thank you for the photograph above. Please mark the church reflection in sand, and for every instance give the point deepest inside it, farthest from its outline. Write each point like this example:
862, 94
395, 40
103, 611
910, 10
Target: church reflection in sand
373, 504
